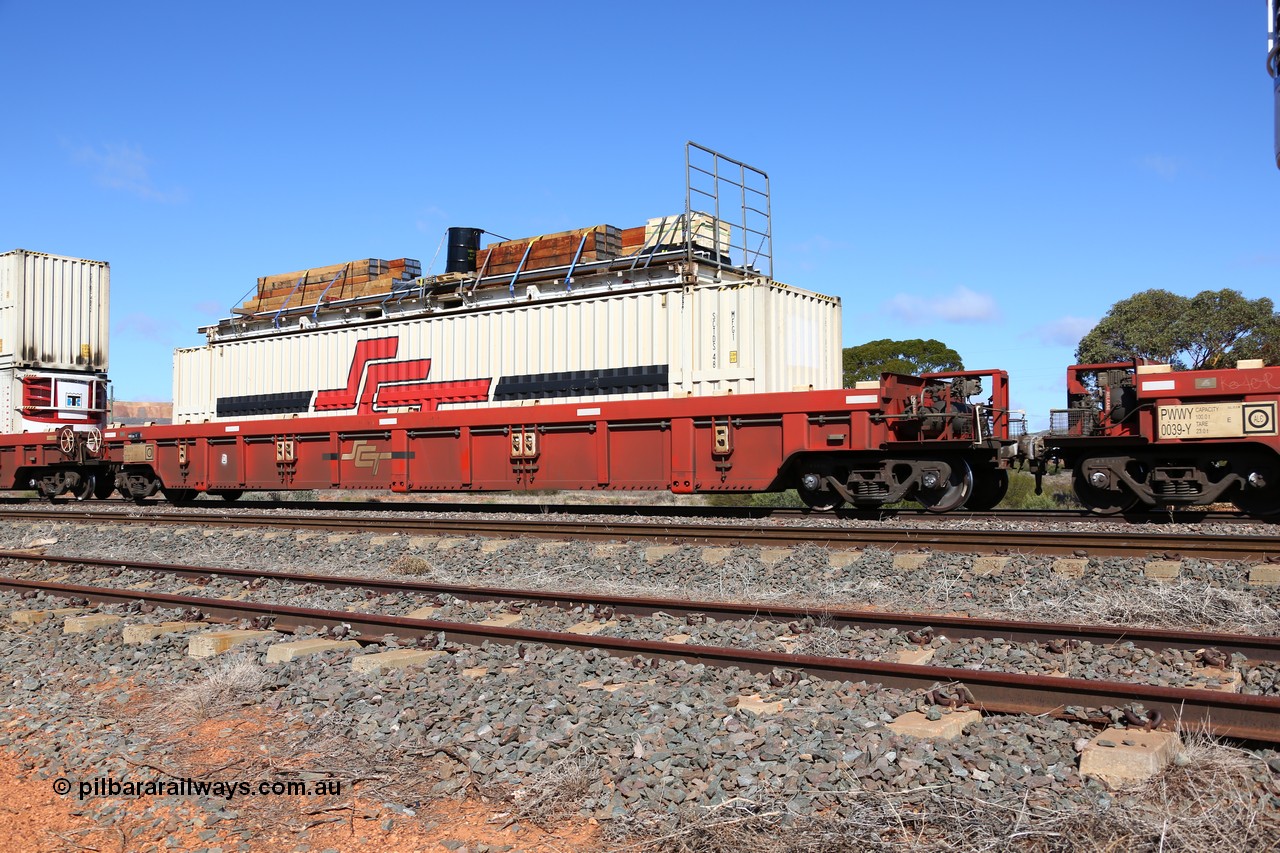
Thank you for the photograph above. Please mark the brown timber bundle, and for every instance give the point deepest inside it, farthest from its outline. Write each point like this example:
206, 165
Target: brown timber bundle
603, 242
332, 283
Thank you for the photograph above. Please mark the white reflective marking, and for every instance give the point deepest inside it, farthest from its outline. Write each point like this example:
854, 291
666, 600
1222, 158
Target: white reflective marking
109, 434
1163, 385
386, 421
233, 428
585, 412
854, 399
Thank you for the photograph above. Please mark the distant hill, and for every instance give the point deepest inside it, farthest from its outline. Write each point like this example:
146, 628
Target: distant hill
140, 413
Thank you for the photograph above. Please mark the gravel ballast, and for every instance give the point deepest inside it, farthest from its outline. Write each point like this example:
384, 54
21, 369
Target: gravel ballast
670, 745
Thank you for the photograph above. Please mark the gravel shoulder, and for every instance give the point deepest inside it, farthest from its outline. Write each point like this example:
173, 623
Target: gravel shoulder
601, 752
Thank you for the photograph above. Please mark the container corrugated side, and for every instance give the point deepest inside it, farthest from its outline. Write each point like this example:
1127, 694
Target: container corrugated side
10, 399
704, 339
54, 311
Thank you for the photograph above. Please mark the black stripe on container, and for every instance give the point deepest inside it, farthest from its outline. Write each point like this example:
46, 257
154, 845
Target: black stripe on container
288, 403
584, 383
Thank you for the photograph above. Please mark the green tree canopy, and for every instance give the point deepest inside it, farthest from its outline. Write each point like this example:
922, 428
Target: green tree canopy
867, 361
1214, 328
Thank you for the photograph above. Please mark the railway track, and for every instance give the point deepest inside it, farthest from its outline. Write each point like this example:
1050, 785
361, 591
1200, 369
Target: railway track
955, 627
1013, 516
1128, 543
1230, 714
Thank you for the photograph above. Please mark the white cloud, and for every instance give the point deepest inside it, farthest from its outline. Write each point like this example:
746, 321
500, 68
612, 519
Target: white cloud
1064, 331
210, 308
1262, 259
962, 306
127, 168
818, 244
1164, 166
140, 325
429, 220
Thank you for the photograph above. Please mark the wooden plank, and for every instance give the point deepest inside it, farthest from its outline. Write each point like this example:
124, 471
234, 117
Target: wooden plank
545, 252
364, 269
291, 277
544, 263
368, 283
576, 234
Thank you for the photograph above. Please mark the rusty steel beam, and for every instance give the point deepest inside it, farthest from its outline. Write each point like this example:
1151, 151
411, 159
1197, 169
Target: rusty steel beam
1223, 714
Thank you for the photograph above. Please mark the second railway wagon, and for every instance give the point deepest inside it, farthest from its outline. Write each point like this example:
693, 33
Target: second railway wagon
1144, 435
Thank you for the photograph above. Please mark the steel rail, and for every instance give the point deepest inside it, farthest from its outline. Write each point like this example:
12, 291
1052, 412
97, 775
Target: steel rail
1054, 516
1100, 544
1224, 714
953, 627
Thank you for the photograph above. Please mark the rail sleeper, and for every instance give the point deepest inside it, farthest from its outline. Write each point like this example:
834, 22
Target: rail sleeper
394, 659
88, 624
946, 727
216, 642
285, 652
1118, 757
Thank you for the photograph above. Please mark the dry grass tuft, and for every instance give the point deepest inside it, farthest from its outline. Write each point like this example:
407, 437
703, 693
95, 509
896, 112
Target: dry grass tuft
1213, 801
409, 565
236, 679
1187, 602
821, 640
556, 793
743, 580
1209, 800
921, 820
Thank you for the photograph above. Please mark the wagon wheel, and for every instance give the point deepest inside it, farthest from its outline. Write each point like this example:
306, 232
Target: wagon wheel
229, 495
104, 489
819, 501
950, 494
989, 488
87, 486
180, 497
67, 440
1264, 500
1101, 501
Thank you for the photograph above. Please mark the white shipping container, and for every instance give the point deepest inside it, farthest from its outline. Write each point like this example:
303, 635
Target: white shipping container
666, 340
54, 311
44, 400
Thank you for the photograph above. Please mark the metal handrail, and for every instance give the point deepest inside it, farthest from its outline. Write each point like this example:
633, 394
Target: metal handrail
275, 320
342, 273
520, 267
568, 277
657, 241
752, 191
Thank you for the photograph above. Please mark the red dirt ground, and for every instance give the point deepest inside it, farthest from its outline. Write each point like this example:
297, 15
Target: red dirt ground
34, 818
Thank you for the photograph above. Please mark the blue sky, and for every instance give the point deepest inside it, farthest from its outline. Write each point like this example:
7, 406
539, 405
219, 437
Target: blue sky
994, 175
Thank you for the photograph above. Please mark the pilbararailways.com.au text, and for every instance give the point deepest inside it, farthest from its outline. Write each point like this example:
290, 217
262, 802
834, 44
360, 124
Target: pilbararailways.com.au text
104, 786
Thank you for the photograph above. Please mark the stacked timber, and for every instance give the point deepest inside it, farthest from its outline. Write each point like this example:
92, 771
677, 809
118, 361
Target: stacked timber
632, 240
363, 277
602, 243
664, 231
369, 277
